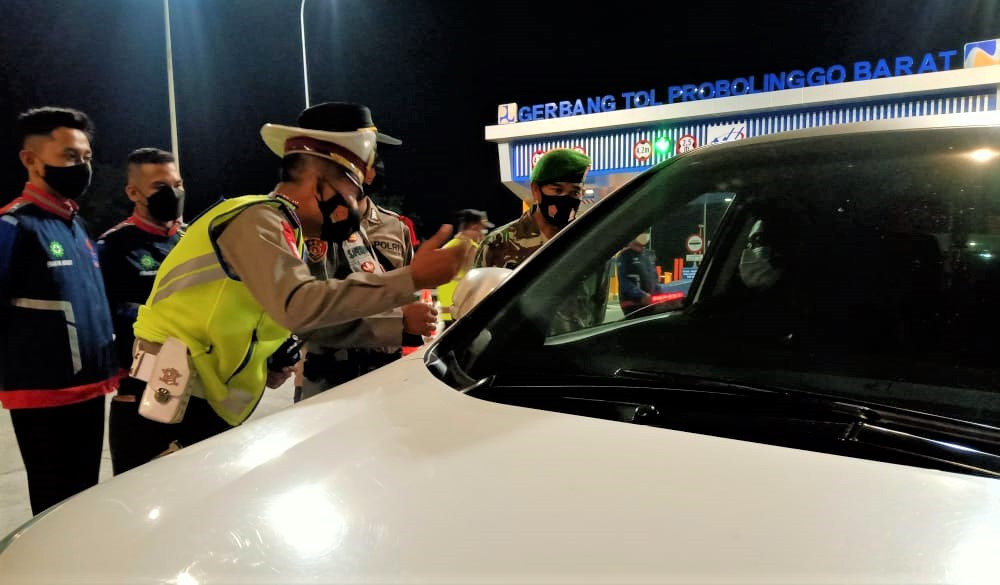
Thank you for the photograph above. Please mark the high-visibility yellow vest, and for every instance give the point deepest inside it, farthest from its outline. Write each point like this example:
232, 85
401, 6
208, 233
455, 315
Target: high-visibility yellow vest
227, 332
446, 292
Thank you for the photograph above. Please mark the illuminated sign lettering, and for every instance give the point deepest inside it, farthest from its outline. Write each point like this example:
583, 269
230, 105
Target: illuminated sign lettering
981, 52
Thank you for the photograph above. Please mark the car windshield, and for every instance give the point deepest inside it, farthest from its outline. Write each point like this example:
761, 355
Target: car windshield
863, 265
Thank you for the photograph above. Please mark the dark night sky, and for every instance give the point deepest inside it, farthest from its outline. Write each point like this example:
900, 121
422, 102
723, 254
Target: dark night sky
432, 72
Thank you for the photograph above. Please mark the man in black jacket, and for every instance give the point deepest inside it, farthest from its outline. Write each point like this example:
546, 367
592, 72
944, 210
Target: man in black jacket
131, 253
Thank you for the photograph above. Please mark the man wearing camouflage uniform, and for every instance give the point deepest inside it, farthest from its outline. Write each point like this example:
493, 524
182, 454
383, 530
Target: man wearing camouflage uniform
557, 190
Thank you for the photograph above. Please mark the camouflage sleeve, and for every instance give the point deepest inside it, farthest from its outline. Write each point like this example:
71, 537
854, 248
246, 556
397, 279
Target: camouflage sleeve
407, 244
483, 255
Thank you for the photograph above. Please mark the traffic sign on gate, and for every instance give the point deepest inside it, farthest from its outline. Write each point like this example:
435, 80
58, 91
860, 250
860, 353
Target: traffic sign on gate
694, 243
535, 156
642, 150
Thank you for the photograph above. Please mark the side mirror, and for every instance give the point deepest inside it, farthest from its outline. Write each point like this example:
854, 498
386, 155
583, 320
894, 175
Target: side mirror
474, 286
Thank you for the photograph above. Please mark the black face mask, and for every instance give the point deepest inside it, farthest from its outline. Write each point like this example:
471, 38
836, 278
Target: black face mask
166, 204
337, 232
565, 209
70, 182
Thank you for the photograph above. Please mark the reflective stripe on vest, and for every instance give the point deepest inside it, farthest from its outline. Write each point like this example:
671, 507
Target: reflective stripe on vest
67, 310
227, 331
204, 268
238, 400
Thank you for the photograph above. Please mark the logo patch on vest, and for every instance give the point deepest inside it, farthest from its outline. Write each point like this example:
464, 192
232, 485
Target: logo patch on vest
317, 249
368, 266
56, 249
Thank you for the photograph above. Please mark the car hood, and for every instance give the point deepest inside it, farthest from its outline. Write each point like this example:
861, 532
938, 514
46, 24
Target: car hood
397, 478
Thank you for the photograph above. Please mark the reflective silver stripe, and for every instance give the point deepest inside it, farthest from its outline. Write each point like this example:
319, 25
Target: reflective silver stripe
237, 401
189, 280
67, 309
187, 266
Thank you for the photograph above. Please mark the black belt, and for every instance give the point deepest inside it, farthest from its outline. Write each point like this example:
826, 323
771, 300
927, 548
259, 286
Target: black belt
131, 387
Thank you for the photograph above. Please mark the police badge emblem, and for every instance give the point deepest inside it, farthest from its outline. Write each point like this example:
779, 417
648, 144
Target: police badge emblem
316, 249
170, 376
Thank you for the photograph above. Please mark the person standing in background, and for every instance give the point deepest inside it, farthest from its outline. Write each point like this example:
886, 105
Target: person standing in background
557, 189
341, 353
473, 225
131, 253
557, 184
57, 358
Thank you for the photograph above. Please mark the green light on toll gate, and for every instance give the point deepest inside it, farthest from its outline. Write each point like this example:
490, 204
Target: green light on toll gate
662, 144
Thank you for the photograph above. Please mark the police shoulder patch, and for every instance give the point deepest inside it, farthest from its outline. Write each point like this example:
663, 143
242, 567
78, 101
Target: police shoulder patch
387, 211
316, 249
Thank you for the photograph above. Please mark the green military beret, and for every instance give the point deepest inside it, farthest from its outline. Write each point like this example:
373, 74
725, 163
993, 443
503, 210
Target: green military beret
560, 165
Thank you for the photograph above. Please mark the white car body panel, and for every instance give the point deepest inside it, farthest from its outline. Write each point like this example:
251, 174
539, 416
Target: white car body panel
396, 477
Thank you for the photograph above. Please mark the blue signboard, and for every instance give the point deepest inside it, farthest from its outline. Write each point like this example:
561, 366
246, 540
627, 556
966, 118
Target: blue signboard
638, 148
975, 54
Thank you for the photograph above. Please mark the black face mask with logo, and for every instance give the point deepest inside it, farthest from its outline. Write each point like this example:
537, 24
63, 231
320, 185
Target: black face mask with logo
337, 232
166, 204
70, 182
565, 209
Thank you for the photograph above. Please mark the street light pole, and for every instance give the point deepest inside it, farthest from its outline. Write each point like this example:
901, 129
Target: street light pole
170, 87
302, 28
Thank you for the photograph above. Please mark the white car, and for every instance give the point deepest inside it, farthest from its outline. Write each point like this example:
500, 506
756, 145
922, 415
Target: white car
822, 407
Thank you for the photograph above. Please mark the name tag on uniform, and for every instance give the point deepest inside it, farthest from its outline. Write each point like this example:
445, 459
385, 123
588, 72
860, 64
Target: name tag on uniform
359, 256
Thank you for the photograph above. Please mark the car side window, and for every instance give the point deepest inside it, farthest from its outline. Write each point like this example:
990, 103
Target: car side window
655, 269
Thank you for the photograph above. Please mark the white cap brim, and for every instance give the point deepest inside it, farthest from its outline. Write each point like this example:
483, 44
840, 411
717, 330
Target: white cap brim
386, 139
359, 142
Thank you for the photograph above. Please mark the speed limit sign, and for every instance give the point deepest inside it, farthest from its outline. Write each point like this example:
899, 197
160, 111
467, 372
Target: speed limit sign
535, 156
642, 150
694, 243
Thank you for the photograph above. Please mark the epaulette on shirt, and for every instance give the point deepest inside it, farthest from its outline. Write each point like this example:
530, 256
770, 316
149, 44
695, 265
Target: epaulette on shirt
114, 229
387, 211
13, 207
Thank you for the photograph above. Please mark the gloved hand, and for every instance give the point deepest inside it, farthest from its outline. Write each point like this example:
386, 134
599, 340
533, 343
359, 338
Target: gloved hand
286, 356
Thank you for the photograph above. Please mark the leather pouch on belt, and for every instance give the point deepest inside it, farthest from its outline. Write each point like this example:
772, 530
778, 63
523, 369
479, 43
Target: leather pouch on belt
166, 395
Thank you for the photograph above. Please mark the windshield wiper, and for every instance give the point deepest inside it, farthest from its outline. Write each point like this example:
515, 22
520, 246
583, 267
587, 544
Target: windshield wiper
692, 382
933, 445
690, 402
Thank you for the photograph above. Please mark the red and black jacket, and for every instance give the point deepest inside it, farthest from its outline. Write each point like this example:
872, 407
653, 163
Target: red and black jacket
56, 341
